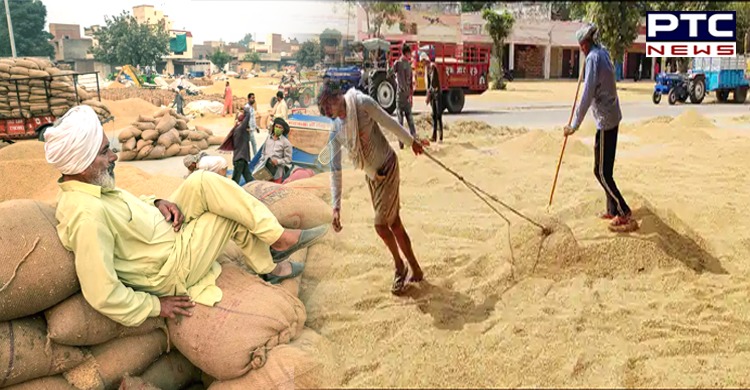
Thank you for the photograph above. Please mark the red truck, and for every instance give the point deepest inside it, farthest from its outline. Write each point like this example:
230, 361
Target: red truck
29, 125
464, 68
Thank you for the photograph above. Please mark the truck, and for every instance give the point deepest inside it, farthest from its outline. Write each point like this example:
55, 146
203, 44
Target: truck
720, 75
464, 69
27, 124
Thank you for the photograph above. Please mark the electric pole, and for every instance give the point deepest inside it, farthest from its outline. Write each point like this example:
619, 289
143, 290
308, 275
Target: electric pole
10, 31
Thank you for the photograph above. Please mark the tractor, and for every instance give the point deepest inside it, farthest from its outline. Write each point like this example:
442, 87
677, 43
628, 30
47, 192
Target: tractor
295, 92
680, 88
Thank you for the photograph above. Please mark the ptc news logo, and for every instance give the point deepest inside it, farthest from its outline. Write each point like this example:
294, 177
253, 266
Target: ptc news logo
691, 34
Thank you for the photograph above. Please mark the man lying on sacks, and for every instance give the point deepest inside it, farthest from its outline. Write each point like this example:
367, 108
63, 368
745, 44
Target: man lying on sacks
139, 258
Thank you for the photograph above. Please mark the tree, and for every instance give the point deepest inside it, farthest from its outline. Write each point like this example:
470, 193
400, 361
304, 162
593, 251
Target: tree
28, 17
474, 6
617, 24
330, 37
253, 57
245, 41
220, 58
125, 41
379, 13
309, 54
499, 26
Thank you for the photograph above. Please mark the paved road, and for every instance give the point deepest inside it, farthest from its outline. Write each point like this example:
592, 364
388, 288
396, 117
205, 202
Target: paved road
547, 115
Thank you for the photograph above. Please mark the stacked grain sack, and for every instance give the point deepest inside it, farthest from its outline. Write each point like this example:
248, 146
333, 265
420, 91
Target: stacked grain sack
51, 338
30, 99
166, 134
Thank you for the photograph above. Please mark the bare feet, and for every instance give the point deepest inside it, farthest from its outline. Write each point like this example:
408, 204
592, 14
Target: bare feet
416, 276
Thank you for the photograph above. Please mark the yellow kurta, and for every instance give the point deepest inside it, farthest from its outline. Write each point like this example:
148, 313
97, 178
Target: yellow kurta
127, 255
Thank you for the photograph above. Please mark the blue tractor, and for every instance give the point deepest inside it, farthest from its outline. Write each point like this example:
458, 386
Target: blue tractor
718, 75
372, 76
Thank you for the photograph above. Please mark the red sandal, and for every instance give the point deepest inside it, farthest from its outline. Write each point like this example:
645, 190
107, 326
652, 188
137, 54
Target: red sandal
623, 224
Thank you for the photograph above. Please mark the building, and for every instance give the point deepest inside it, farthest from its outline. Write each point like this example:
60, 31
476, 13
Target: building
74, 50
180, 58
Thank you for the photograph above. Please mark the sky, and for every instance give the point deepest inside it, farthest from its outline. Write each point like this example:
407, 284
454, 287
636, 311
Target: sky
213, 20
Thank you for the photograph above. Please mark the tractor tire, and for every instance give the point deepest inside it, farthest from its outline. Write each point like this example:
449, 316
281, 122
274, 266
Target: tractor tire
273, 101
383, 90
722, 95
672, 98
697, 91
740, 95
657, 97
290, 103
454, 100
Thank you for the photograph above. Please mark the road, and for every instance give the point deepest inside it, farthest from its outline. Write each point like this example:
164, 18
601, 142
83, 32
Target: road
548, 115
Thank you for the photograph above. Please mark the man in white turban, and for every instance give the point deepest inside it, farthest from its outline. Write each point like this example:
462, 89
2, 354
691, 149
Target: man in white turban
139, 258
600, 90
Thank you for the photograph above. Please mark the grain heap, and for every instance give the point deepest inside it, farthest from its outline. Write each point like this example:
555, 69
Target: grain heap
30, 99
166, 134
163, 97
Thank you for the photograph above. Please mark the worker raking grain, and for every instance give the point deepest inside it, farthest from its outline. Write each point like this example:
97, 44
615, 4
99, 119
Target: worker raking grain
361, 135
139, 258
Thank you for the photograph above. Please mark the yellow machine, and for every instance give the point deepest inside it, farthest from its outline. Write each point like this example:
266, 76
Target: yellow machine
131, 72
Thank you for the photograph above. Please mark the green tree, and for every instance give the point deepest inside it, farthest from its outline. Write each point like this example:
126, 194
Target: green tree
380, 13
245, 41
309, 54
474, 6
617, 24
330, 37
29, 18
125, 41
499, 26
220, 58
253, 57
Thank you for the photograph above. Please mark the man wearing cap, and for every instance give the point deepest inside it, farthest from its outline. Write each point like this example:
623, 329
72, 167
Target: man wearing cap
600, 89
139, 258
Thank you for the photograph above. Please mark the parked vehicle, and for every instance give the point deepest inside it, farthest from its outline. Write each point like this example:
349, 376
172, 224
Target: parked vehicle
295, 92
723, 76
21, 127
678, 88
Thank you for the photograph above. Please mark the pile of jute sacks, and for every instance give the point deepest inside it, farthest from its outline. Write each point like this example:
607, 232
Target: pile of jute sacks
28, 97
255, 338
166, 134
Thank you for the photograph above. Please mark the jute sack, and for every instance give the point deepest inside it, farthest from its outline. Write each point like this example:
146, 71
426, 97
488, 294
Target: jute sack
167, 139
173, 150
204, 130
181, 125
143, 126
306, 363
215, 140
143, 118
130, 144
128, 155
75, 322
36, 271
231, 338
26, 63
136, 383
24, 355
141, 143
156, 153
111, 361
197, 136
186, 149
172, 371
165, 124
203, 145
56, 382
150, 135
144, 152
127, 133
161, 112
294, 208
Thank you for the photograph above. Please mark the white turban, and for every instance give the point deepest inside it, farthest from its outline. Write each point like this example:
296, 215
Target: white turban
585, 32
212, 163
424, 57
73, 144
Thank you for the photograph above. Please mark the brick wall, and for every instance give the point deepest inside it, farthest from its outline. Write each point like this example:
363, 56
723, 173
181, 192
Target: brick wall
530, 62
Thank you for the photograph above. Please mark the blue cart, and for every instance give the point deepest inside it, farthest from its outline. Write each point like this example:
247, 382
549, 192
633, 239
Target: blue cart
722, 76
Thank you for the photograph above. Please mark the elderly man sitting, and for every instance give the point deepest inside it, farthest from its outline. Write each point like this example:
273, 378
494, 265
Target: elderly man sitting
215, 164
139, 258
191, 162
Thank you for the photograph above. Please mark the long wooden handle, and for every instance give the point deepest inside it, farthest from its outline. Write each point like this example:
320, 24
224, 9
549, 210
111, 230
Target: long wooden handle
565, 141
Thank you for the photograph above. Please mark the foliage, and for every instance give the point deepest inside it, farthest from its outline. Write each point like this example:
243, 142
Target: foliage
474, 6
499, 26
125, 41
330, 37
28, 18
309, 54
220, 58
380, 13
253, 57
617, 24
245, 41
